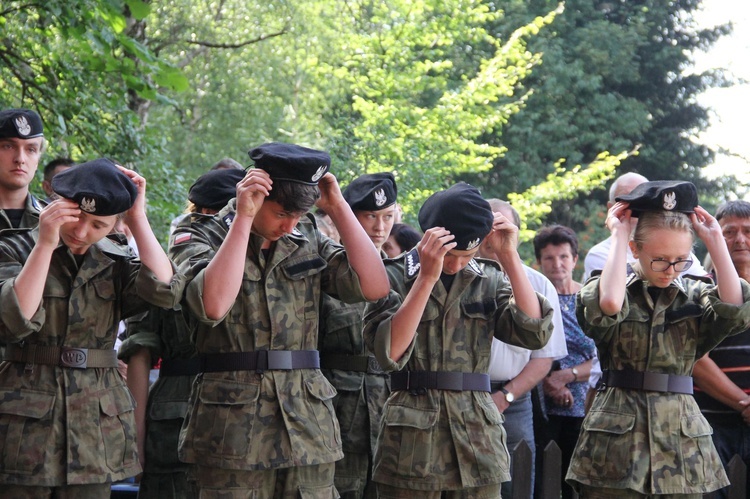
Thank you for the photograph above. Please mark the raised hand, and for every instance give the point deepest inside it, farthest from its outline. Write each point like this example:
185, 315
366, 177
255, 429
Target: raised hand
619, 216
54, 216
706, 227
433, 247
503, 237
252, 191
330, 193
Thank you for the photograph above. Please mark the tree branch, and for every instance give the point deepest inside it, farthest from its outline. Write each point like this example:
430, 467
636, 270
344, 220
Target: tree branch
235, 45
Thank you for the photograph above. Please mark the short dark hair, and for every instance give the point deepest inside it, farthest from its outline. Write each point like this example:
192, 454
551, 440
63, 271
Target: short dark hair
556, 235
294, 197
737, 208
49, 168
405, 235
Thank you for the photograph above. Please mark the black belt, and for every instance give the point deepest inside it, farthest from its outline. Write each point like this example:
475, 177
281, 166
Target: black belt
180, 367
418, 381
356, 363
76, 358
259, 360
646, 380
496, 386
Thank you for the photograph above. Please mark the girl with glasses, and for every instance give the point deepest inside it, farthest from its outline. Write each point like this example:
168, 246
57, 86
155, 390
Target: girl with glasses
644, 435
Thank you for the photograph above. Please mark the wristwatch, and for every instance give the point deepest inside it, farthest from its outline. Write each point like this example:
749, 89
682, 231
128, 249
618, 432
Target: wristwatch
509, 397
575, 374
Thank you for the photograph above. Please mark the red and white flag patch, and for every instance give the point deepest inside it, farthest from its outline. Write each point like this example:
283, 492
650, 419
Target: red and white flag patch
181, 238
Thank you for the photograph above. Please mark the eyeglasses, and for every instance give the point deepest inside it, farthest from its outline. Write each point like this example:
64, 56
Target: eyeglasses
663, 265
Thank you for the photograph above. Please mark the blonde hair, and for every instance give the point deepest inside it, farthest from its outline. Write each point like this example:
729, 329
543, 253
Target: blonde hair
649, 221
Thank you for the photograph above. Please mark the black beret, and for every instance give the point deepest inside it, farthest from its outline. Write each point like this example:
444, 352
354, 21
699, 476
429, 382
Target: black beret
460, 209
371, 192
291, 162
20, 124
215, 188
97, 186
670, 195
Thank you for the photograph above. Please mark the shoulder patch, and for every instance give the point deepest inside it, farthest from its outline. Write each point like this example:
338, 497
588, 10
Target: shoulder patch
182, 238
228, 219
473, 266
412, 263
35, 203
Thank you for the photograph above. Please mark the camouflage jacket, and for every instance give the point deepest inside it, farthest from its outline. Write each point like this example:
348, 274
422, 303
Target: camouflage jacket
653, 442
30, 218
274, 419
361, 396
447, 440
65, 425
165, 334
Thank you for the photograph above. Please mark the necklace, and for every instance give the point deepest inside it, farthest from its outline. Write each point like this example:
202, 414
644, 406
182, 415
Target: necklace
567, 302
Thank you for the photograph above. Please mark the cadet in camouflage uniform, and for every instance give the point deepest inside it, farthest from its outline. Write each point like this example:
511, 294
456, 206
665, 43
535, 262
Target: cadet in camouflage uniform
441, 435
163, 334
361, 385
22, 141
66, 417
644, 434
261, 421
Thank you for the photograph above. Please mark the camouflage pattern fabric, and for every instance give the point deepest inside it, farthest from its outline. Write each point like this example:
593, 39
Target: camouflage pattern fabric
440, 439
30, 218
653, 442
60, 425
165, 334
300, 482
361, 396
274, 419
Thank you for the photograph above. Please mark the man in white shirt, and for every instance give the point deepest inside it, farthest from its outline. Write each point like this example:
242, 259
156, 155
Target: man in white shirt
515, 372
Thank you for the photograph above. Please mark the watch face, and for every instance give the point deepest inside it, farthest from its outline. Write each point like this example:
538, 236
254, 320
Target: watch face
509, 397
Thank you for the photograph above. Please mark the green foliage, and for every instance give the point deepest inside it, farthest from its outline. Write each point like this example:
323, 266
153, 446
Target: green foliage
502, 94
410, 114
75, 62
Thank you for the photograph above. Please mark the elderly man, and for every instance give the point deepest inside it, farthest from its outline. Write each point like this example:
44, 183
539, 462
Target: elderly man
723, 375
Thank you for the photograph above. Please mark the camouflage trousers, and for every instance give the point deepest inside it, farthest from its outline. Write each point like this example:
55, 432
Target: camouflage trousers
301, 482
86, 491
491, 491
353, 478
588, 492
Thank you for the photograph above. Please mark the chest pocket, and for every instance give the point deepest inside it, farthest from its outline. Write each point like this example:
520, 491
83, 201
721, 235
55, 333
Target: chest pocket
682, 325
303, 277
102, 311
482, 316
630, 334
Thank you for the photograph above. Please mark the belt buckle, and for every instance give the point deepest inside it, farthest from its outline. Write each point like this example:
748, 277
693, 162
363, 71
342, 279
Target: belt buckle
655, 382
373, 367
74, 357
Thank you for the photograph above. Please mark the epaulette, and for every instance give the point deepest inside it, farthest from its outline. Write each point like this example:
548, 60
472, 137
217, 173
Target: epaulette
482, 262
11, 231
708, 279
110, 246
